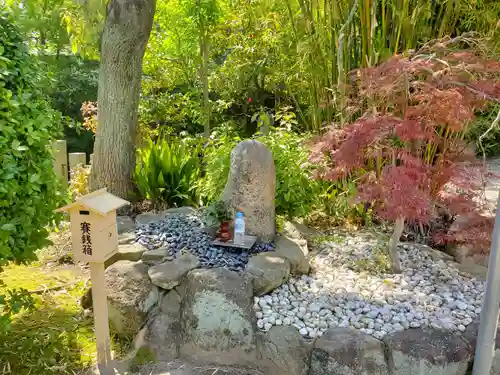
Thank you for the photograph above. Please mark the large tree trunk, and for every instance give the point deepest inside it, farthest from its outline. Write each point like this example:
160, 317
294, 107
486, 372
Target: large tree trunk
126, 33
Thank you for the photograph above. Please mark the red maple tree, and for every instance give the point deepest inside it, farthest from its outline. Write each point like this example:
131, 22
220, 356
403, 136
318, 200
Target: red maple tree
407, 149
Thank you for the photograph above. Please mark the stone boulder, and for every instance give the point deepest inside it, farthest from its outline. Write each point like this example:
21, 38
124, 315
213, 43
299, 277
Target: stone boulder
251, 188
295, 250
125, 224
161, 332
131, 296
470, 336
283, 351
217, 318
147, 218
345, 351
126, 238
153, 257
132, 252
269, 271
169, 274
428, 351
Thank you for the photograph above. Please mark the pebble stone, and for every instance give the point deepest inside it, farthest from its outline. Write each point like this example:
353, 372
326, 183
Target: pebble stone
179, 233
427, 293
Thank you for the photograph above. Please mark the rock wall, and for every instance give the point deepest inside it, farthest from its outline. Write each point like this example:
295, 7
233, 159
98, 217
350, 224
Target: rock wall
208, 319
207, 316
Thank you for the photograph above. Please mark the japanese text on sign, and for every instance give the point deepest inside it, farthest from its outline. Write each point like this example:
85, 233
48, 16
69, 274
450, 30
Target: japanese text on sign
86, 241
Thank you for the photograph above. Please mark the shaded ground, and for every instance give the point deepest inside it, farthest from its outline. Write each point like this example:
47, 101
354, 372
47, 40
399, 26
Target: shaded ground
176, 367
57, 336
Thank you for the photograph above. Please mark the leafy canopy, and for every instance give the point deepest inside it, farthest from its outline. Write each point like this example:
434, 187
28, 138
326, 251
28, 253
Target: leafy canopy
28, 186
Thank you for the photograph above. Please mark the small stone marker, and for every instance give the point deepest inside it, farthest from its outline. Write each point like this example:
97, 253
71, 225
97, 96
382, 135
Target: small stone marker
94, 237
76, 158
61, 161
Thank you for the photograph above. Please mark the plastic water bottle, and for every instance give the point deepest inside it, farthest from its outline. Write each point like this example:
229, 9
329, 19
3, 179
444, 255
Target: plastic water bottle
239, 229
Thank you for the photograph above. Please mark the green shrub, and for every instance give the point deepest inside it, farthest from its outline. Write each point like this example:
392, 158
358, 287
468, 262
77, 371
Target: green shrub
491, 142
28, 187
295, 192
167, 173
29, 191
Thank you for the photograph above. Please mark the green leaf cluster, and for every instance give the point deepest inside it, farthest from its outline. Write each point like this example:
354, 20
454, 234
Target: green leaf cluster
12, 303
29, 191
296, 192
491, 142
167, 173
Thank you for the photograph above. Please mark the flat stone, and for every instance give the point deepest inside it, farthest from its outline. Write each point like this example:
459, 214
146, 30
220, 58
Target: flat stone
153, 257
125, 224
147, 217
126, 238
168, 275
251, 188
345, 351
131, 295
284, 351
132, 252
295, 250
269, 271
217, 318
428, 351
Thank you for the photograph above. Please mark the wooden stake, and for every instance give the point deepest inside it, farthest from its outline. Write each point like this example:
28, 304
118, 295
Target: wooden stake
100, 303
61, 162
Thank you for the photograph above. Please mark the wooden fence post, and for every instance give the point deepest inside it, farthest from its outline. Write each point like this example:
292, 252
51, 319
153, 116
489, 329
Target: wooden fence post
61, 161
77, 158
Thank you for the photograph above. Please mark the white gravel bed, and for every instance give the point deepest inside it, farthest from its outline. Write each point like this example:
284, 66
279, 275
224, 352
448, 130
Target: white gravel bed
427, 293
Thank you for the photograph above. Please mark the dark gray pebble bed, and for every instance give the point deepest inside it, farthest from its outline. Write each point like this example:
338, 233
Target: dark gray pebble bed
179, 232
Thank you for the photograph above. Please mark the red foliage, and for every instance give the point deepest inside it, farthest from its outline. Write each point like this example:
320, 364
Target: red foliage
406, 150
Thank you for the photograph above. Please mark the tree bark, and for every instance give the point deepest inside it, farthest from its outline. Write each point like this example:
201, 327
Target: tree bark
124, 39
393, 245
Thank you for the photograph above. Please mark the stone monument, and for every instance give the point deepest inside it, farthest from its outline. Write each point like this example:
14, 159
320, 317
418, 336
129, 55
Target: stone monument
251, 188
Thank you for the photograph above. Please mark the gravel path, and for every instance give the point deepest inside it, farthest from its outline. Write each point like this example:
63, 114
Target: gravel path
339, 294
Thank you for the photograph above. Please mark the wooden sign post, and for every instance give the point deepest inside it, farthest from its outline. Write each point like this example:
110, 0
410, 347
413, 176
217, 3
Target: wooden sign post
94, 238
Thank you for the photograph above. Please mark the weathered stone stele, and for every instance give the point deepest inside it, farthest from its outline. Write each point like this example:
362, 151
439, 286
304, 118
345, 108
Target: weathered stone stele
251, 187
